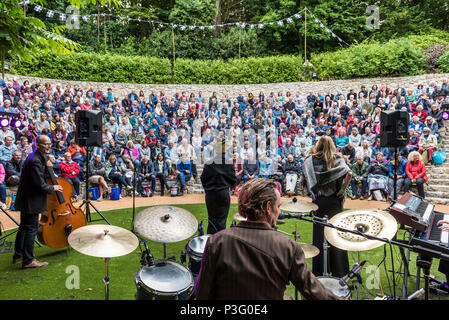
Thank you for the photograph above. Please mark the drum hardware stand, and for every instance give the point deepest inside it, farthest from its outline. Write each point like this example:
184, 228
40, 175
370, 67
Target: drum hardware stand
326, 246
134, 199
17, 224
106, 278
425, 263
86, 200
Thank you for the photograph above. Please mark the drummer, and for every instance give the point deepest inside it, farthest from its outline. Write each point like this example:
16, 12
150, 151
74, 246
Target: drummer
235, 259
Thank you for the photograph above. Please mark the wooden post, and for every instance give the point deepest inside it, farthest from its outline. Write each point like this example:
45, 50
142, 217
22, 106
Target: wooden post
305, 34
240, 32
174, 53
105, 44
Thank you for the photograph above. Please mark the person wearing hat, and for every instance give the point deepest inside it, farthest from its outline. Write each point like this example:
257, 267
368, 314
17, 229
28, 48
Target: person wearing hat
427, 143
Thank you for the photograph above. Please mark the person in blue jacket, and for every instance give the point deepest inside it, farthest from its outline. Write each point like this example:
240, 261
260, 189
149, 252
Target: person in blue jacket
184, 173
402, 163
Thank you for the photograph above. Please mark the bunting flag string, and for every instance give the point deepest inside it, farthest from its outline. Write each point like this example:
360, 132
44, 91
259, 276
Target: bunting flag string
316, 20
85, 18
283, 22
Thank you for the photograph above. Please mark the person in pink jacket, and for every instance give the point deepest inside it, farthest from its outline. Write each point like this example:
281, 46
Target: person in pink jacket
416, 173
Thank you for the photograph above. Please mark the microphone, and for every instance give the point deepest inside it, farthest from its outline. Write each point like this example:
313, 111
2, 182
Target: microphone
147, 257
354, 272
290, 215
416, 294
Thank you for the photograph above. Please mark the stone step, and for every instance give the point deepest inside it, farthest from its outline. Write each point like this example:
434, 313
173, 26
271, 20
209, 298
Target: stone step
439, 182
436, 194
434, 200
438, 187
439, 170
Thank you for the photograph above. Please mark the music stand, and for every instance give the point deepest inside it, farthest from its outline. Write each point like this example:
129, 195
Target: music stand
86, 200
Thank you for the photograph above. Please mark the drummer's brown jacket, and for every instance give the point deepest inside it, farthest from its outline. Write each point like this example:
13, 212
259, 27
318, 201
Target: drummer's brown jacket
252, 261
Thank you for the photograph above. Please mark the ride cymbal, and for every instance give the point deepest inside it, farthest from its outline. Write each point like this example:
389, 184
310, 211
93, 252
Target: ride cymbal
238, 217
103, 241
310, 251
295, 205
377, 223
166, 224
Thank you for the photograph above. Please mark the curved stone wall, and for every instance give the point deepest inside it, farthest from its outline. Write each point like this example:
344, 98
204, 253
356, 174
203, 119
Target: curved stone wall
304, 88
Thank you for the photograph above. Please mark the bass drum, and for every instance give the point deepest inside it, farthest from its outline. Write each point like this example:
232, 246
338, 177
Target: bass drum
195, 250
165, 280
333, 284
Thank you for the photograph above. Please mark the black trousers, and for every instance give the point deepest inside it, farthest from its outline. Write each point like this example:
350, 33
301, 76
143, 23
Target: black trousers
24, 246
163, 181
217, 203
338, 263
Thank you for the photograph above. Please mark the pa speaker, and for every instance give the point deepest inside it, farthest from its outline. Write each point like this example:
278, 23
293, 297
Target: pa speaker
89, 124
394, 128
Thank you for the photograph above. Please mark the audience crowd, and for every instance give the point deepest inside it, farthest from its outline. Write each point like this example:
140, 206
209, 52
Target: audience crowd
152, 136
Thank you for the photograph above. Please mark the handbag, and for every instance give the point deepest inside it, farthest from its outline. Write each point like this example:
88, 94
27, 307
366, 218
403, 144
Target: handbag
439, 157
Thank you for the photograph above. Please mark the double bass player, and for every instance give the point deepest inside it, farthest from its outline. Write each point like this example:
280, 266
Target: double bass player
31, 200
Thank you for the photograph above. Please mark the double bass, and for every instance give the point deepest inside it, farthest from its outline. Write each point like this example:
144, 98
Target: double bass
61, 216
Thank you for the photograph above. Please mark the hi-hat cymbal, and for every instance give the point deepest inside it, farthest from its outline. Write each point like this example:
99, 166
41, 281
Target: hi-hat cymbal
295, 205
103, 241
310, 251
377, 223
166, 224
238, 217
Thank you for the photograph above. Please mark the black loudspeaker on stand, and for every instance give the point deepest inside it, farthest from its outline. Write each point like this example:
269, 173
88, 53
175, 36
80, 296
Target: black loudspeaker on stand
88, 134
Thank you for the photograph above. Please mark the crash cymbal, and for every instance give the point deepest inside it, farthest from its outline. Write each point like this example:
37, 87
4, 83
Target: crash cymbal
310, 251
377, 223
238, 217
295, 205
166, 224
103, 241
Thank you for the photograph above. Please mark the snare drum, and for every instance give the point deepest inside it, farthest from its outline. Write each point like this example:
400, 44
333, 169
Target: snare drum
195, 250
333, 284
165, 280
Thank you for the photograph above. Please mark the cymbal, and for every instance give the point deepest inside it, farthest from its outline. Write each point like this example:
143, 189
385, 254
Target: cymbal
310, 251
377, 223
295, 205
103, 241
238, 217
166, 224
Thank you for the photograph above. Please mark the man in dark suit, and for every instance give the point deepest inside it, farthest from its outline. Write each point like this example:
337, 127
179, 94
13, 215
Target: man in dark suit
252, 261
31, 200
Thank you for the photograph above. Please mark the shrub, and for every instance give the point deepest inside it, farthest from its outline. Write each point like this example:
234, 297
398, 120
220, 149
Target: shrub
394, 58
433, 53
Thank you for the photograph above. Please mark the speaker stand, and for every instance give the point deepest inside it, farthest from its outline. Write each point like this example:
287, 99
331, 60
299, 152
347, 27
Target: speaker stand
86, 202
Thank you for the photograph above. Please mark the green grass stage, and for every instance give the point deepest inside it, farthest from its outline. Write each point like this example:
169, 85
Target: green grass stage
49, 283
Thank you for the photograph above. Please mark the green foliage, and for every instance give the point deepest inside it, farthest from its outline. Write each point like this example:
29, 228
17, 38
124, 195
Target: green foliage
444, 62
97, 67
394, 58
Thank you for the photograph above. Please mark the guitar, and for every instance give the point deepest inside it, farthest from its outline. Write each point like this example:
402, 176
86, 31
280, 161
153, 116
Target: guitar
61, 216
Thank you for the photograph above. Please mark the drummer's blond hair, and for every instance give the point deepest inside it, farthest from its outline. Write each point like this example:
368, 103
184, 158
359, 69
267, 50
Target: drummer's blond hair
254, 196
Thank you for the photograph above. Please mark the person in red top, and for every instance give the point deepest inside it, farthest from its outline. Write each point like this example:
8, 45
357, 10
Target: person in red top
420, 114
416, 173
70, 171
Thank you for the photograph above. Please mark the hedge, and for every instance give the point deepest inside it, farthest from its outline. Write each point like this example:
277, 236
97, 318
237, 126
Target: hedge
394, 58
399, 57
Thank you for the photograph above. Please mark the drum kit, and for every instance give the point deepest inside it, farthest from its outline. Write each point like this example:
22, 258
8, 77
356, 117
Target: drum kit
161, 279
166, 279
352, 230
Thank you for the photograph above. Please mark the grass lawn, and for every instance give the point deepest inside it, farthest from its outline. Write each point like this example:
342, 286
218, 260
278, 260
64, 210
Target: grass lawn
50, 282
